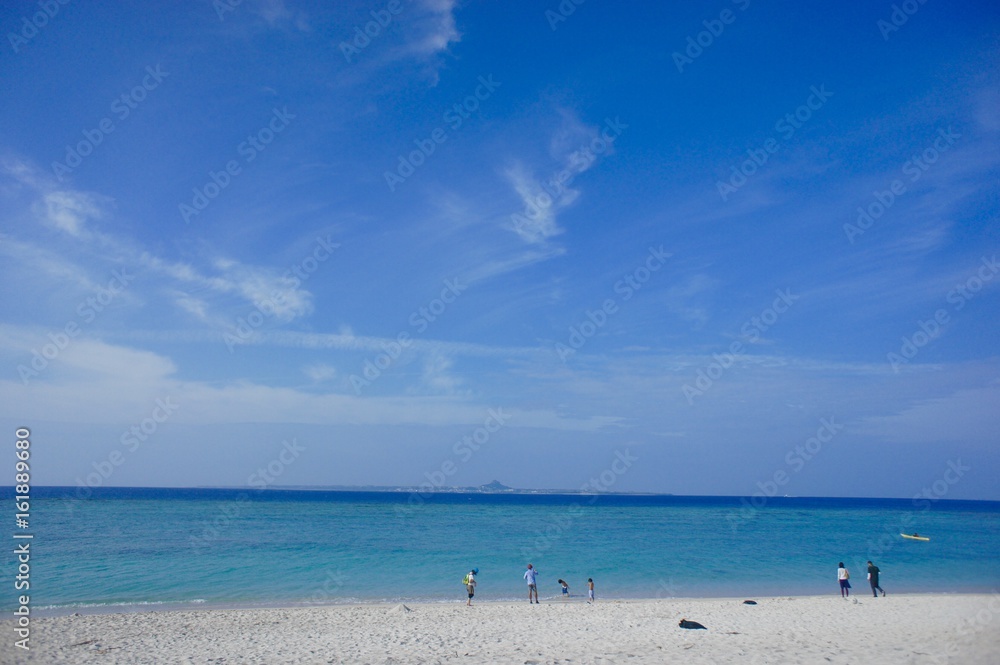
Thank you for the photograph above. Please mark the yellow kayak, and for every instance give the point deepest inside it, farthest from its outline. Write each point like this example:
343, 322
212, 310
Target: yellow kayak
914, 536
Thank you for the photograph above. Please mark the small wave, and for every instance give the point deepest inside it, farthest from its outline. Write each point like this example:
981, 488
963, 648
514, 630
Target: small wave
129, 604
116, 608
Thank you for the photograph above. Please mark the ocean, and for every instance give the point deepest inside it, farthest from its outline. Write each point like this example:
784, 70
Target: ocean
142, 548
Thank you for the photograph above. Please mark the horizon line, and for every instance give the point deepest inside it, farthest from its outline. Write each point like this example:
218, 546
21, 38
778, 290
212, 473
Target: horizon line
402, 489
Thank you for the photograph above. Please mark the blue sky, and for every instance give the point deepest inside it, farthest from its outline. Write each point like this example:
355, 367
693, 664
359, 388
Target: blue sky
751, 247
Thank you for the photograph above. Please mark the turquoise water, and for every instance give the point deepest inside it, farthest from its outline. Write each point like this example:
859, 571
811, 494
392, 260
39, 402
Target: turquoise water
135, 546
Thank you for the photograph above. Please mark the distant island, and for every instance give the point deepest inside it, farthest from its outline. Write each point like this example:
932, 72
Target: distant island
494, 487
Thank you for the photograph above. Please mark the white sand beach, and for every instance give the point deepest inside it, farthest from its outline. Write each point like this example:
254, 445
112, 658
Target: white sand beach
920, 628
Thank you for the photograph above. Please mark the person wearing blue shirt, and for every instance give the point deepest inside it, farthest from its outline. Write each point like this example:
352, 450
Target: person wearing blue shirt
530, 575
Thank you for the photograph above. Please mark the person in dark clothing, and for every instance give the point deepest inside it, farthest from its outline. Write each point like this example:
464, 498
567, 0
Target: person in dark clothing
873, 572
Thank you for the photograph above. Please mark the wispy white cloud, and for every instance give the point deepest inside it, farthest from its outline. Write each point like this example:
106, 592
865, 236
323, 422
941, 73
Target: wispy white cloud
55, 206
264, 288
433, 29
688, 299
351, 342
495, 267
69, 211
99, 382
90, 359
422, 32
537, 222
934, 421
278, 15
33, 260
543, 199
320, 372
194, 306
79, 215
437, 377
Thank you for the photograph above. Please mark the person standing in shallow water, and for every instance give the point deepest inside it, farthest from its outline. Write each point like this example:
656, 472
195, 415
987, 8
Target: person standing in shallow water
470, 584
873, 572
844, 577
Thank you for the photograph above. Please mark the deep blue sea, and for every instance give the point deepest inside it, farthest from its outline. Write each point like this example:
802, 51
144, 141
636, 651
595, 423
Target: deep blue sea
146, 548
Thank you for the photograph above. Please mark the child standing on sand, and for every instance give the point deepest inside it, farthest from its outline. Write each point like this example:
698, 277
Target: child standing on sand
590, 590
565, 589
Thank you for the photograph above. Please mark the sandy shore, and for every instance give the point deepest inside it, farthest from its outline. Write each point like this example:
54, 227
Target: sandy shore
894, 629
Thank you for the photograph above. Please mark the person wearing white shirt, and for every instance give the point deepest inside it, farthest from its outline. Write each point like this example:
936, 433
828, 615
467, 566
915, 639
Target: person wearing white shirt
843, 576
470, 584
